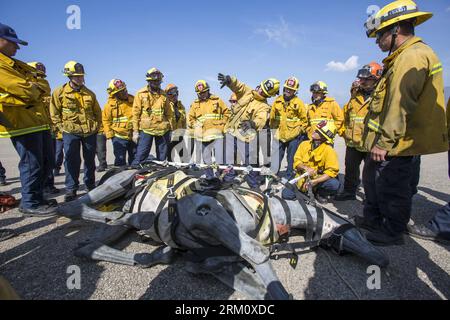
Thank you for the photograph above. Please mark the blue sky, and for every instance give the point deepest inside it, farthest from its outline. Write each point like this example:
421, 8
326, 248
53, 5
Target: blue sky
190, 40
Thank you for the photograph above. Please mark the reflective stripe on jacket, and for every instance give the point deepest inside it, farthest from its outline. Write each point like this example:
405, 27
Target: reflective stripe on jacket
207, 119
21, 99
407, 109
250, 106
117, 118
289, 119
75, 112
328, 110
323, 159
152, 112
355, 112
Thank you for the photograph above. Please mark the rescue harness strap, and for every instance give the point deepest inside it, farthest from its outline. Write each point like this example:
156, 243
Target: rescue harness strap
310, 241
174, 209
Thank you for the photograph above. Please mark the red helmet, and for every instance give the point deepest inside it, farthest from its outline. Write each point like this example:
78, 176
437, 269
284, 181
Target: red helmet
372, 70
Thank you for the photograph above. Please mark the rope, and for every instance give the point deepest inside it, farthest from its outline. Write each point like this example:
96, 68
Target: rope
341, 277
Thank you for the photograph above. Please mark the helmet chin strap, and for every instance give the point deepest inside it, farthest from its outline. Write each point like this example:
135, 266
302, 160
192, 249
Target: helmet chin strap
394, 33
317, 101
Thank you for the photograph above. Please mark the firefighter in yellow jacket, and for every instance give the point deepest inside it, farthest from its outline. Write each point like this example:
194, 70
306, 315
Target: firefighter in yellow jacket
206, 121
117, 122
354, 113
406, 119
323, 108
152, 118
24, 120
76, 113
288, 117
178, 138
318, 158
49, 157
250, 115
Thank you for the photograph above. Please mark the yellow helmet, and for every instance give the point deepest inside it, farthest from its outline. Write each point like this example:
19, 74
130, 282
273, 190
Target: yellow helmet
270, 87
40, 68
292, 83
73, 68
154, 75
319, 86
393, 13
233, 97
116, 85
201, 86
327, 130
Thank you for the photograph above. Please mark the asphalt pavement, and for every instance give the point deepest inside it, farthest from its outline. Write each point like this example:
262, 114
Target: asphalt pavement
38, 261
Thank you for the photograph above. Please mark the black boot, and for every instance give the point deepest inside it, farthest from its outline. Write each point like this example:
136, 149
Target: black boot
6, 234
3, 181
51, 190
362, 223
322, 199
422, 232
70, 195
345, 196
380, 238
40, 211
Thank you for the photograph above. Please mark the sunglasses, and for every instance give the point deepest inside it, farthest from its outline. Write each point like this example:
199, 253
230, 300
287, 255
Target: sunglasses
232, 101
381, 33
315, 88
172, 93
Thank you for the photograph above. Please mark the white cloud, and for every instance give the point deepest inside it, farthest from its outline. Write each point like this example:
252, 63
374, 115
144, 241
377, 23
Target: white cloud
350, 64
280, 33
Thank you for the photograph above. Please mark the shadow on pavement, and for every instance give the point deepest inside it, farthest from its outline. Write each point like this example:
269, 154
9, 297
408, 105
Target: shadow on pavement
37, 269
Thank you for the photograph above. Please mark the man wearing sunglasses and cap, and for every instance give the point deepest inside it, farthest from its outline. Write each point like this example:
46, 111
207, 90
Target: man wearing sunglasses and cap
76, 112
354, 113
117, 122
24, 120
406, 119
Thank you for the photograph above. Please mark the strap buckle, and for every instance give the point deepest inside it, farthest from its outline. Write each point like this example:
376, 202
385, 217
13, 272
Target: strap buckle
171, 194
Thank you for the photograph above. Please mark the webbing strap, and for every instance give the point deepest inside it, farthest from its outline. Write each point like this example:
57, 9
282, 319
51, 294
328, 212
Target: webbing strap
161, 206
265, 212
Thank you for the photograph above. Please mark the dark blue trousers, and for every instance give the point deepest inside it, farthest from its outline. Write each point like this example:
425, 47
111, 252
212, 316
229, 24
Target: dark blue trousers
441, 222
72, 145
59, 153
145, 145
279, 149
31, 149
121, 148
387, 186
49, 159
353, 160
327, 188
248, 153
101, 151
